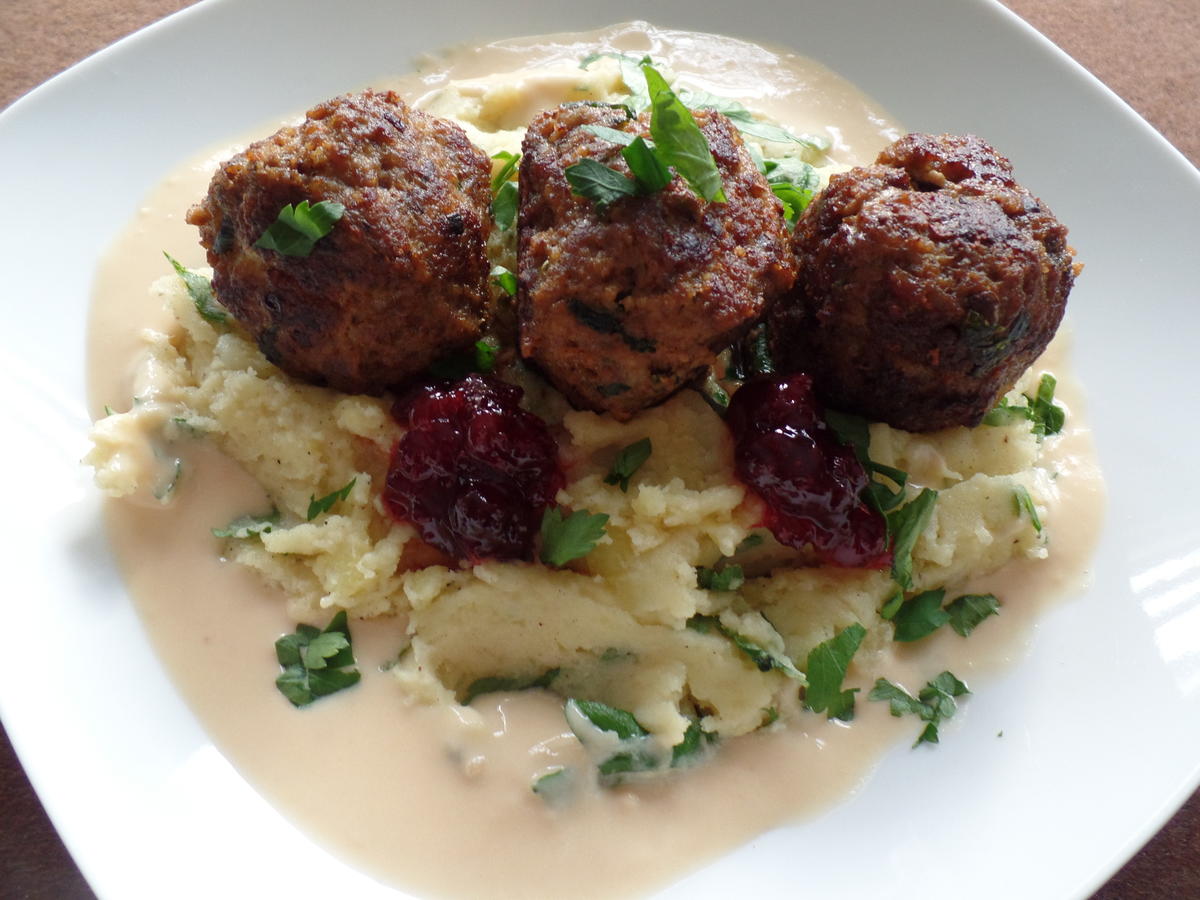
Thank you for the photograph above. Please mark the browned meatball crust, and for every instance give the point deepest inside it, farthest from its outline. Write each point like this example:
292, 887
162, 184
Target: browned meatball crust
399, 281
621, 308
927, 284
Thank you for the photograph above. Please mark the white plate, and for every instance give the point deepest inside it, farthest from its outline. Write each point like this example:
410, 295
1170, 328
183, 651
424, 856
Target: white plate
1101, 720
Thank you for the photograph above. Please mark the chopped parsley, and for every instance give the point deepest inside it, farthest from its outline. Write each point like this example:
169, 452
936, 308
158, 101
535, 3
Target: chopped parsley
492, 684
507, 169
728, 578
316, 663
1023, 503
505, 280
826, 669
747, 124
1046, 416
628, 461
248, 526
600, 184
631, 74
504, 191
904, 527
678, 140
934, 705
923, 613
573, 537
298, 228
504, 206
967, 611
919, 616
324, 504
200, 290
763, 659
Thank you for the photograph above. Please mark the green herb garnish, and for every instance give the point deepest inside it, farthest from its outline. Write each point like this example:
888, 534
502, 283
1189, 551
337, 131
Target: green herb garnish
1022, 502
919, 616
600, 184
826, 669
763, 659
492, 684
678, 140
316, 663
297, 229
248, 526
904, 527
199, 289
934, 705
1046, 415
628, 461
729, 578
505, 280
316, 507
506, 171
967, 611
573, 537
631, 74
746, 123
504, 206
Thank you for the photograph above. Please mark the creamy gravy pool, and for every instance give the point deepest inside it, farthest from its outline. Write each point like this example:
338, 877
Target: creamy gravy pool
437, 800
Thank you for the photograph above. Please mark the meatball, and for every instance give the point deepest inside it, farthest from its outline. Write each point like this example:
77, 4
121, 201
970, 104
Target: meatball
623, 307
927, 284
400, 280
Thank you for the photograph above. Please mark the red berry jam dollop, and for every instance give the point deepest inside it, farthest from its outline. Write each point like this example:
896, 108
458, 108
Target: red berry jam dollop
811, 483
474, 471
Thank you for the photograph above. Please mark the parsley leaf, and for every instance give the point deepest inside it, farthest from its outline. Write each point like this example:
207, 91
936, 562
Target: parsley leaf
491, 684
746, 123
600, 184
678, 140
316, 663
555, 786
571, 538
504, 206
505, 172
631, 74
199, 289
1048, 416
1022, 502
826, 668
248, 526
648, 170
933, 705
297, 229
729, 578
316, 507
905, 526
612, 135
628, 461
691, 747
920, 616
609, 718
505, 280
967, 611
763, 658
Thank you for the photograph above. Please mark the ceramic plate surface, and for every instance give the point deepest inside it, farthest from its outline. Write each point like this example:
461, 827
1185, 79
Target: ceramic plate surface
1101, 719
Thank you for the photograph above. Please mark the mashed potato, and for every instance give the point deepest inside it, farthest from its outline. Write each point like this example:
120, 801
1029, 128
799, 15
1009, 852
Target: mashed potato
619, 626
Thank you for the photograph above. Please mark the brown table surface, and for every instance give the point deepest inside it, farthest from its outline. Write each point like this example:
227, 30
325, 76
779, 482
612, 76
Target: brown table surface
1145, 50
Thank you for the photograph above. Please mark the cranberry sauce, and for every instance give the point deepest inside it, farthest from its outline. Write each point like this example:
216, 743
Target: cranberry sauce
811, 483
474, 471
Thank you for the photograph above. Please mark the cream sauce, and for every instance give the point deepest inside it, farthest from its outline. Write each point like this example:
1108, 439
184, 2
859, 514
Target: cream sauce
390, 786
